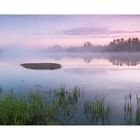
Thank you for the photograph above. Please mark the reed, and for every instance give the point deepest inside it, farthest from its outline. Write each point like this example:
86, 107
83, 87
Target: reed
128, 110
137, 113
59, 107
34, 108
97, 111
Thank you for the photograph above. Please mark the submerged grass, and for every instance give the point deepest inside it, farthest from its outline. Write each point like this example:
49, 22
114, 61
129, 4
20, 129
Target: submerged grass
137, 113
97, 111
132, 110
35, 108
128, 110
58, 107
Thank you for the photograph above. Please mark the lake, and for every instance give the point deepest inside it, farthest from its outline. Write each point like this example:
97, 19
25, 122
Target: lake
109, 75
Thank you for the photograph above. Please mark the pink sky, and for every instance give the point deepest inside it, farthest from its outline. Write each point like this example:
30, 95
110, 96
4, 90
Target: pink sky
66, 30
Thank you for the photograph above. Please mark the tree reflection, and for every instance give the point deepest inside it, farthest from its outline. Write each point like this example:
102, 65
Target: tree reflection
119, 59
122, 60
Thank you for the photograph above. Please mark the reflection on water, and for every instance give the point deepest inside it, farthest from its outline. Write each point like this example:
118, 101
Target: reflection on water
120, 59
125, 59
112, 75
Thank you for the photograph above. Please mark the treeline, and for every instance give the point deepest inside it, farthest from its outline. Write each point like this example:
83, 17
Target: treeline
117, 45
87, 47
129, 45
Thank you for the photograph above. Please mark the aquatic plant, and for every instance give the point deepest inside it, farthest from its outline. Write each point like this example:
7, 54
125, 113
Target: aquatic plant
137, 113
1, 90
97, 112
64, 105
128, 110
34, 108
60, 107
13, 110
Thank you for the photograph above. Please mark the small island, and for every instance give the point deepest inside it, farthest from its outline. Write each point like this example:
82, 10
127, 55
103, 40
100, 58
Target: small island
41, 66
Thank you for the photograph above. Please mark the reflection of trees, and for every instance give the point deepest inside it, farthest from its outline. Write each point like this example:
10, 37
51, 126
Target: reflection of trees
116, 59
122, 60
119, 59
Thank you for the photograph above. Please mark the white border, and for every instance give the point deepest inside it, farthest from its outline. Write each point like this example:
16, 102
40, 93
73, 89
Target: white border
69, 132
69, 7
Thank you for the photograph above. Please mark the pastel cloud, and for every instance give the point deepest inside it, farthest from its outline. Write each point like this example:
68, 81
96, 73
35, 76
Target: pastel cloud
95, 31
67, 29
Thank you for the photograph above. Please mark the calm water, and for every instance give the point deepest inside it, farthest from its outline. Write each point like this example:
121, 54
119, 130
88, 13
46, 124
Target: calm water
108, 74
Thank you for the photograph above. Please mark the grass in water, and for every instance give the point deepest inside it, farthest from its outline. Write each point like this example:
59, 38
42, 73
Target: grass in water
59, 107
97, 112
56, 107
132, 110
128, 110
137, 114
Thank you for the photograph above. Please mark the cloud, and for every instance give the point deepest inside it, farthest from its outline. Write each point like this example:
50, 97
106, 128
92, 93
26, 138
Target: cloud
83, 31
86, 32
124, 31
74, 31
39, 34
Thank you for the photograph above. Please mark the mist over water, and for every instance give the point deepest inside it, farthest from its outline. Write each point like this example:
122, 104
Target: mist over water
112, 75
100, 54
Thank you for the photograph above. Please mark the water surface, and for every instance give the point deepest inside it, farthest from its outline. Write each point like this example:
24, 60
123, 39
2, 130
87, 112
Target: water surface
112, 75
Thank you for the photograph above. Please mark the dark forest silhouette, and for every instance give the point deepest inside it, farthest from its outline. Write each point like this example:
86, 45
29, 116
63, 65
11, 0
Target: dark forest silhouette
129, 45
117, 45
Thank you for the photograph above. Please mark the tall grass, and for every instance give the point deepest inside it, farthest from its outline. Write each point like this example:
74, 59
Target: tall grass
97, 111
132, 110
59, 107
35, 108
128, 110
13, 110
